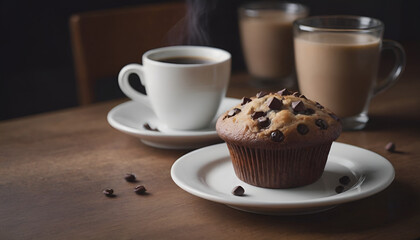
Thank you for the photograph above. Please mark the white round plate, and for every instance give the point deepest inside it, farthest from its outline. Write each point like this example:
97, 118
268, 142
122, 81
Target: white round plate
129, 117
208, 173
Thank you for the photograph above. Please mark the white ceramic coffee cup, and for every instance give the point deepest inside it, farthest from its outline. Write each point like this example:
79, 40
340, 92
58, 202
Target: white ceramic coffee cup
183, 96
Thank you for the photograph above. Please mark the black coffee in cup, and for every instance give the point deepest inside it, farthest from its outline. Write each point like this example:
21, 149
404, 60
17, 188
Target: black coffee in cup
186, 60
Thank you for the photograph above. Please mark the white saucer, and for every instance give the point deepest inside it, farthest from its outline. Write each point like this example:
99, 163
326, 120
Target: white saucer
129, 117
208, 173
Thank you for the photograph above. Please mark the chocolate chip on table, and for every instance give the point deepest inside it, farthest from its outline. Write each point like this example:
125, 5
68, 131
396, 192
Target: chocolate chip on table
129, 177
390, 147
140, 189
277, 136
322, 124
284, 92
148, 127
339, 189
109, 192
233, 112
257, 115
261, 94
302, 129
245, 100
275, 104
345, 180
263, 122
298, 106
238, 191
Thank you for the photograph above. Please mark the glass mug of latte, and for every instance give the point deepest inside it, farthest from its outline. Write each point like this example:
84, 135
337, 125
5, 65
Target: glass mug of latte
337, 59
266, 30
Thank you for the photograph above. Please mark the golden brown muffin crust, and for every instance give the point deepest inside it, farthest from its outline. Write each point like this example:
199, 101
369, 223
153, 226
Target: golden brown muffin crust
290, 120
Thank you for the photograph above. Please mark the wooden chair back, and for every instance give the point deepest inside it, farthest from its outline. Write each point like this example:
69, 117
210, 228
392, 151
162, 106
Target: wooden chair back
106, 40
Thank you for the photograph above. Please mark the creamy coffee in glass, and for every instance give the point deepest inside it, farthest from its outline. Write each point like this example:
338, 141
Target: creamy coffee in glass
266, 30
337, 59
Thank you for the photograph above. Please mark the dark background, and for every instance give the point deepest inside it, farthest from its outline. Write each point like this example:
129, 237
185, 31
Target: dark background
36, 68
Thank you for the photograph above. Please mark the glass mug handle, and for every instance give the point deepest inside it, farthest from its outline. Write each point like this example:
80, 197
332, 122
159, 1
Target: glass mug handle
399, 66
127, 88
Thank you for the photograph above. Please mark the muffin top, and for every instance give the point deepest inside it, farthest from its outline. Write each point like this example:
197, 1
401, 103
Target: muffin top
278, 119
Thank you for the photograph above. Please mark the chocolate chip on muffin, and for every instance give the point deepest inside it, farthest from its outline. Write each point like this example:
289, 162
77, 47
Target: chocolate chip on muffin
263, 122
298, 106
302, 129
245, 100
233, 112
257, 115
274, 103
307, 111
319, 105
284, 92
322, 124
334, 117
277, 136
261, 94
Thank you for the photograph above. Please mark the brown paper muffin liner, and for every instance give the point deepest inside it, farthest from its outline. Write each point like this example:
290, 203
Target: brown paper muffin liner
279, 168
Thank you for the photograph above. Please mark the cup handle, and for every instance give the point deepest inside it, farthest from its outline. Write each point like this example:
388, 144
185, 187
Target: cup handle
126, 87
399, 66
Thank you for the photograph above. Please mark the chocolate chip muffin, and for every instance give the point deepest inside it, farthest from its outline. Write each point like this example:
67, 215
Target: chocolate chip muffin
278, 140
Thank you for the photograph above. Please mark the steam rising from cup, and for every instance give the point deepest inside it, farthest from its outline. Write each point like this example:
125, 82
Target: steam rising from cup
193, 29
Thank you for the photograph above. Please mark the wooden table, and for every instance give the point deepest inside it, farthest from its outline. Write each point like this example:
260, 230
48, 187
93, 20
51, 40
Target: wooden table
53, 168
